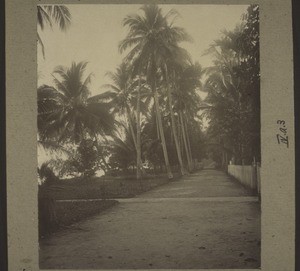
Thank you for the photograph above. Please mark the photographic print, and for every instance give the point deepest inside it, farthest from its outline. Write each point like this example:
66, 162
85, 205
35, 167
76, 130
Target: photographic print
149, 136
144, 135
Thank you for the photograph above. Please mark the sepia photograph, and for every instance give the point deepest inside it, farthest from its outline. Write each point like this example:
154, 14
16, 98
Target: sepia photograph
149, 136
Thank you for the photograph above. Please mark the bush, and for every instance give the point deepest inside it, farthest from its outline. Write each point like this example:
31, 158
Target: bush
46, 174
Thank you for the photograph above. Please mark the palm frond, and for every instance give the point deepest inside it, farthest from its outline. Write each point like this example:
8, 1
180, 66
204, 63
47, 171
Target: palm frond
43, 17
60, 14
53, 146
105, 96
40, 42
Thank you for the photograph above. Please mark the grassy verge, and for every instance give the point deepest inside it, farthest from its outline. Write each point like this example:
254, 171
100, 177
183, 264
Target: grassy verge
54, 215
73, 211
103, 188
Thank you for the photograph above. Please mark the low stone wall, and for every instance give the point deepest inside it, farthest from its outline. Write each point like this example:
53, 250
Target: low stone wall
249, 176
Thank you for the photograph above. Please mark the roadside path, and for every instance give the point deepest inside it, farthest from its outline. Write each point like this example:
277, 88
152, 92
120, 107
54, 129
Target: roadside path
205, 220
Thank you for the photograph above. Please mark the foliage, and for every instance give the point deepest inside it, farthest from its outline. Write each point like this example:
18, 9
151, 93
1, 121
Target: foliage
152, 151
122, 151
233, 87
47, 15
66, 112
156, 90
154, 40
46, 174
118, 94
85, 161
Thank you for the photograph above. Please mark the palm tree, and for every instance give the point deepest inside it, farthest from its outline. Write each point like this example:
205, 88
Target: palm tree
187, 101
227, 82
177, 59
150, 38
122, 95
122, 149
119, 95
66, 113
47, 15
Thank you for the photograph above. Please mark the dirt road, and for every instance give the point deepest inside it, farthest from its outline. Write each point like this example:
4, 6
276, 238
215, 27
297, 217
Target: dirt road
205, 220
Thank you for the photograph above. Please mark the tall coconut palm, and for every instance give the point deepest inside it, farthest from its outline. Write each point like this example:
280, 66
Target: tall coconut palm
176, 59
138, 133
49, 15
65, 112
150, 37
123, 95
187, 101
119, 95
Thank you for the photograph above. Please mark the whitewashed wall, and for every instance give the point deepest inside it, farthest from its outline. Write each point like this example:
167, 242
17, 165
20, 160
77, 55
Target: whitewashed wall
246, 175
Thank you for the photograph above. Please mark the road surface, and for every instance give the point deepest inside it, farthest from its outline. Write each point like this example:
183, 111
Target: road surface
205, 220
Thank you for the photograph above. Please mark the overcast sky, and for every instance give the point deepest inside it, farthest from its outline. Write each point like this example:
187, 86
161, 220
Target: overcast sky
96, 31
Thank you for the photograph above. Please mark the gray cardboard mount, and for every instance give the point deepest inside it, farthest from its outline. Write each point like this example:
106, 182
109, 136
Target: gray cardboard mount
277, 174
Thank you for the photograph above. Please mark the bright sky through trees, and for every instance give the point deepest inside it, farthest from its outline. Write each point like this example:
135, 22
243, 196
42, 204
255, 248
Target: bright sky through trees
96, 31
206, 104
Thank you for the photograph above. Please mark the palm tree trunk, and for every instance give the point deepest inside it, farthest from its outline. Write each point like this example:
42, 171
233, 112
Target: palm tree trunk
131, 126
223, 159
171, 137
180, 136
174, 127
157, 126
162, 135
188, 138
185, 141
101, 155
138, 134
133, 133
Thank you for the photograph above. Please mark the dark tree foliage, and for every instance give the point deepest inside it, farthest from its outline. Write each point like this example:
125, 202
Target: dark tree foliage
233, 87
156, 91
67, 112
152, 151
122, 152
86, 161
47, 174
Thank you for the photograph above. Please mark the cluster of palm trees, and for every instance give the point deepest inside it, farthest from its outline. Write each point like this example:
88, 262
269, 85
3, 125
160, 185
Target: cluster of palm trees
149, 114
156, 81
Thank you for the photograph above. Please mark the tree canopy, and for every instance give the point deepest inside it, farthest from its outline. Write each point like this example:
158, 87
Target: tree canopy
151, 115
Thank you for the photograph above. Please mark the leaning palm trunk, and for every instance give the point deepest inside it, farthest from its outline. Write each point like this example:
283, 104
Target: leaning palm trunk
162, 135
188, 139
138, 134
133, 133
185, 142
174, 128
